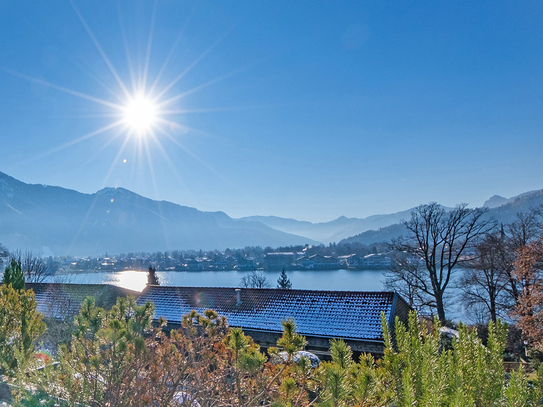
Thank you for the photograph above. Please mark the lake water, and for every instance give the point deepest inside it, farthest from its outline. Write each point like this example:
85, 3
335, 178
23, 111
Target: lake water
344, 280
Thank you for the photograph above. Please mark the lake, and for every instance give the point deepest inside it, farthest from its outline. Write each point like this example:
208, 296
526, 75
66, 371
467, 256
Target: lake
343, 280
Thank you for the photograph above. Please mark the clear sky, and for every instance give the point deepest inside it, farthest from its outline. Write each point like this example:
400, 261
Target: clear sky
303, 109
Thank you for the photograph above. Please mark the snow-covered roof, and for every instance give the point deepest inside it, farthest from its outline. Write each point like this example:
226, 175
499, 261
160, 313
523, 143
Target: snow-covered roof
64, 300
334, 314
352, 315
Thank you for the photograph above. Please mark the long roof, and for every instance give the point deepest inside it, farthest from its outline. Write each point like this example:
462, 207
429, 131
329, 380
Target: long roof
336, 314
64, 300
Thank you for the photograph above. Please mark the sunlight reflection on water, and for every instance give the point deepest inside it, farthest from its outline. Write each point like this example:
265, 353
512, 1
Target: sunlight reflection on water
132, 280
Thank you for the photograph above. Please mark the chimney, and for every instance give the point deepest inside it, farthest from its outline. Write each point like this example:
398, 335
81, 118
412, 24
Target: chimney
238, 295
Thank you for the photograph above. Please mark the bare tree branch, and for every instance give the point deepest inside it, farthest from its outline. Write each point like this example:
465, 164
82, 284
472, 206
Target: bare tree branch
34, 268
440, 239
255, 279
485, 279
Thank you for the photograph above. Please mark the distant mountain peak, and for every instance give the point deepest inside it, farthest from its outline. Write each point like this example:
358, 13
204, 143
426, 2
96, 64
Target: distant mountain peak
118, 192
495, 201
112, 190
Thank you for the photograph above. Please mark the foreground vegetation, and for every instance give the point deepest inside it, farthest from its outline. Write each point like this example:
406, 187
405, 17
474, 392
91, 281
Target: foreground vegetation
117, 358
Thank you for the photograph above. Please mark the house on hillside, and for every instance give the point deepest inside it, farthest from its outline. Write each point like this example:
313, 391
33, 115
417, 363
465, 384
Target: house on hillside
353, 316
349, 260
193, 265
317, 261
376, 261
305, 263
324, 262
279, 260
246, 264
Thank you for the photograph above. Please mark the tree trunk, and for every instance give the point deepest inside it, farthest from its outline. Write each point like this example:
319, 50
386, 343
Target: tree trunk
493, 311
440, 307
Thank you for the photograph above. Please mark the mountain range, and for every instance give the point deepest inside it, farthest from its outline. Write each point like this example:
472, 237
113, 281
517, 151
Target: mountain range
58, 221
503, 210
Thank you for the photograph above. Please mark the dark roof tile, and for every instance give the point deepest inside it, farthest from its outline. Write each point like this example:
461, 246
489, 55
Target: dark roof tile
343, 314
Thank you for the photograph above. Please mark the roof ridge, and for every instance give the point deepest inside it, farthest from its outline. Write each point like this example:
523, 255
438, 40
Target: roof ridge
271, 289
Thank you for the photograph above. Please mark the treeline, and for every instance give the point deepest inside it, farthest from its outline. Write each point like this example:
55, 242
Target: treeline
118, 358
461, 256
257, 252
38, 268
248, 258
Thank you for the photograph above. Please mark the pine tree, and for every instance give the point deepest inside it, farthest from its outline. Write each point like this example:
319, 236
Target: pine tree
13, 274
283, 281
20, 326
152, 278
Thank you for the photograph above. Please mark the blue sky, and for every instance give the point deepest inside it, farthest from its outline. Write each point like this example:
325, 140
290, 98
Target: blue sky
310, 110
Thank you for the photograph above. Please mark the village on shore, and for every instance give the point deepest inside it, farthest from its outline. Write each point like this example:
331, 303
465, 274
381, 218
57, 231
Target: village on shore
225, 261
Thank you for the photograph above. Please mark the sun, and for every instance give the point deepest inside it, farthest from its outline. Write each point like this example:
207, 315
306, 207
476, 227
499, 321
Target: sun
140, 114
143, 111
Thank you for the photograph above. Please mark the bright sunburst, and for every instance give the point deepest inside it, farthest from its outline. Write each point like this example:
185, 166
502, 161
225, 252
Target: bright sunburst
140, 115
140, 107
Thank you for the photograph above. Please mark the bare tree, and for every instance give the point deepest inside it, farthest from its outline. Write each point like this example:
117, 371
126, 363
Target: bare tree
34, 268
441, 239
408, 277
255, 279
490, 279
486, 277
526, 229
